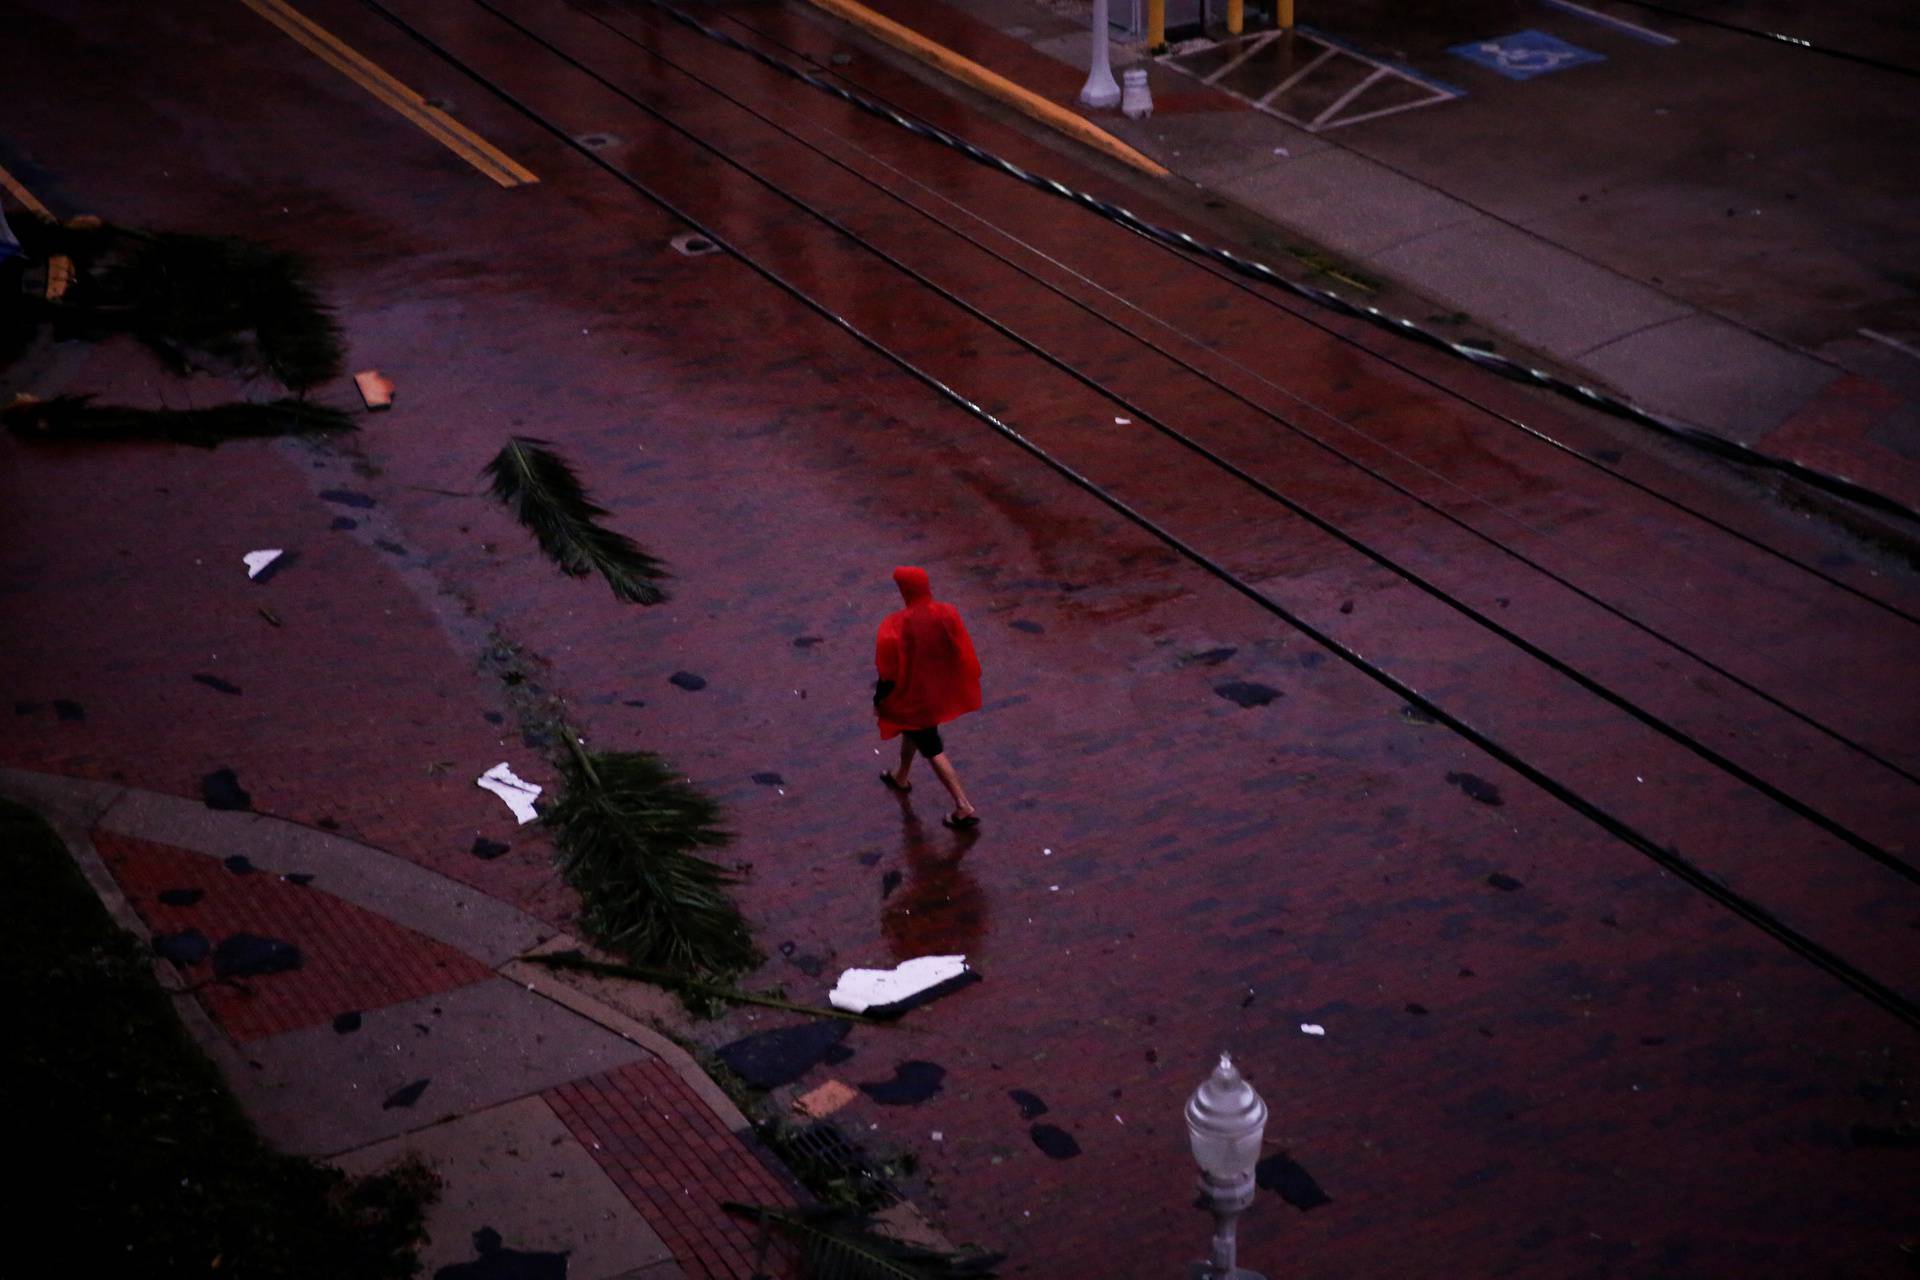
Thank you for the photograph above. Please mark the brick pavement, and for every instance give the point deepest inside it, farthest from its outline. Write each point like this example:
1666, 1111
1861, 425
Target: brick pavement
1602, 1054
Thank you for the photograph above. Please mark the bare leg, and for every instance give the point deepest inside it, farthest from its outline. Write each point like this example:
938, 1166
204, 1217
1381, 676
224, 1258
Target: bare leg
906, 761
943, 768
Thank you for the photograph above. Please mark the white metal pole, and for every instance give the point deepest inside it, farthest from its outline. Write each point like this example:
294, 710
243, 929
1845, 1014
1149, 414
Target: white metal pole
1101, 89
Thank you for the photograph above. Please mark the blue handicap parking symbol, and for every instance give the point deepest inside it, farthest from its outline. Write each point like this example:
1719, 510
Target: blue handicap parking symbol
1525, 54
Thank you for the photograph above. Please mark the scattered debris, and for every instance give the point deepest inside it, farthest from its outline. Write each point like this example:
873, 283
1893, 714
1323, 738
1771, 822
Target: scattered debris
246, 955
1054, 1142
1312, 1029
688, 681
884, 993
1417, 1010
405, 1096
487, 850
889, 882
346, 498
1029, 1103
1023, 624
298, 879
376, 390
69, 711
343, 523
769, 779
1279, 1173
221, 789
913, 1083
257, 562
346, 1023
820, 1103
216, 683
1476, 788
181, 897
807, 642
240, 864
1247, 693
518, 793
389, 546
1415, 715
1503, 882
769, 1059
273, 619
186, 948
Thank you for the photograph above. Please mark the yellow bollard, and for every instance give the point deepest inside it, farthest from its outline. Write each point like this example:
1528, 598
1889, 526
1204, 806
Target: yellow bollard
1283, 14
1236, 16
1156, 25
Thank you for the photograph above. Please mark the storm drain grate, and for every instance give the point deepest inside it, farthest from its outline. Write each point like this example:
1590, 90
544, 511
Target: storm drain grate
832, 1166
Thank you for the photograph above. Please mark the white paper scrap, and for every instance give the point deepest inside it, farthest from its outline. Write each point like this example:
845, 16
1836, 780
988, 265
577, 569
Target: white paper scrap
517, 792
257, 561
1313, 1028
862, 989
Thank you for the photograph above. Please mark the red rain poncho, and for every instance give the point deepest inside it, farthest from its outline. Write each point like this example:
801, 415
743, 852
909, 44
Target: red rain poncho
925, 651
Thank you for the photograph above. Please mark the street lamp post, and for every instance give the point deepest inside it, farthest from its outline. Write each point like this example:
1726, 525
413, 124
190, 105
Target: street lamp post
1101, 89
1225, 1122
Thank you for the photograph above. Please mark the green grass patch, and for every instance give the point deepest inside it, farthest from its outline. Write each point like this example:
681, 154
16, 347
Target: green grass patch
138, 1161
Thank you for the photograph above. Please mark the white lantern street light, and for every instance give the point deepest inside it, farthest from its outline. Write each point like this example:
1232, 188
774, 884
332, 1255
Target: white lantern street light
1226, 1120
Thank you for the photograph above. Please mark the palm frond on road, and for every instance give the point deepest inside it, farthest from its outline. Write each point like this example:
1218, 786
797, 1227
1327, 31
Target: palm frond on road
545, 496
629, 831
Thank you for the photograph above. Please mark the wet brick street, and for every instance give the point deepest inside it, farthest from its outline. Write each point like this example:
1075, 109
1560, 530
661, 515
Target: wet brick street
1569, 786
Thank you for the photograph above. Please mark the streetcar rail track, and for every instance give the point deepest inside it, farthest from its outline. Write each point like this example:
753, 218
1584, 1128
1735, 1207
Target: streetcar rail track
1820, 727
1670, 860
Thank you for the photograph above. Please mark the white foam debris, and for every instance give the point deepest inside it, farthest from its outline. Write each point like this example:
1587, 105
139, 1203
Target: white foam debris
1313, 1028
517, 792
257, 561
864, 990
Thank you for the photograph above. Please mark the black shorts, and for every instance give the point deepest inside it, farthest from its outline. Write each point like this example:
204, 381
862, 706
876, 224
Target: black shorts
925, 741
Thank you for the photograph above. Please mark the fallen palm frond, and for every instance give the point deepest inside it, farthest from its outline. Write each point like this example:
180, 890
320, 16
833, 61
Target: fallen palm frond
78, 418
196, 301
836, 1244
678, 982
548, 499
628, 830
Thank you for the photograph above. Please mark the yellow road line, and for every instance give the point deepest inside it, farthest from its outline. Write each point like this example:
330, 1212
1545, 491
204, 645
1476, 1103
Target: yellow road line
432, 121
991, 83
24, 196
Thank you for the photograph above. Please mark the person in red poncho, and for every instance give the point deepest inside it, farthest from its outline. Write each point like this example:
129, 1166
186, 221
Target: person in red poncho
929, 674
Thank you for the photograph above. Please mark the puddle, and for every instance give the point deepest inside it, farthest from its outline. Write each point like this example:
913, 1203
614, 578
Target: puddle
346, 1023
181, 897
487, 850
247, 955
688, 681
1503, 882
186, 948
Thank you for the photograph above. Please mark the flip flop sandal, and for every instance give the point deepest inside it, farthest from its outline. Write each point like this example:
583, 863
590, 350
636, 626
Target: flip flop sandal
894, 784
955, 823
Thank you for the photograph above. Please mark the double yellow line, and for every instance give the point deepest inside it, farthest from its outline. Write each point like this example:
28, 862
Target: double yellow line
430, 120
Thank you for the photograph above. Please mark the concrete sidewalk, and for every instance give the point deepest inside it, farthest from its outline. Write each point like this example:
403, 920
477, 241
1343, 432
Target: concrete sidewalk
570, 1139
1608, 221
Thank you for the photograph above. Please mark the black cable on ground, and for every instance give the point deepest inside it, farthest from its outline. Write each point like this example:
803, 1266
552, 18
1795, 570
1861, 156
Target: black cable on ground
1908, 1011
1792, 42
